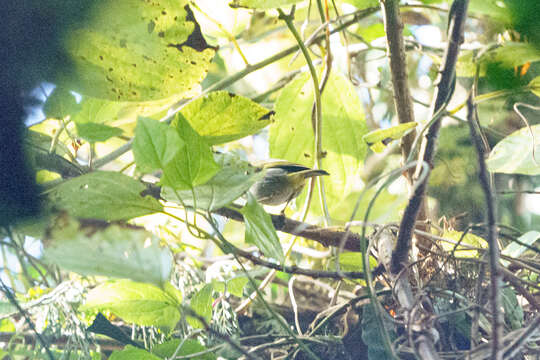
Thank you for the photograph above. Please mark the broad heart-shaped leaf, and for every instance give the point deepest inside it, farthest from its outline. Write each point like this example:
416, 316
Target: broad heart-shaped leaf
131, 50
133, 353
201, 303
60, 103
99, 248
514, 153
155, 144
194, 164
189, 346
135, 302
261, 4
378, 139
260, 231
227, 185
221, 117
104, 195
95, 132
343, 125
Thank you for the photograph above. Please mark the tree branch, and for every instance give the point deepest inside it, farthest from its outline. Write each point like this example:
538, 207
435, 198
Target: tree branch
443, 92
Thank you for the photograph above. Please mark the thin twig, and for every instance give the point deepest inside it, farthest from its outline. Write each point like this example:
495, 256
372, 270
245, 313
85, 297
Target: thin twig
494, 251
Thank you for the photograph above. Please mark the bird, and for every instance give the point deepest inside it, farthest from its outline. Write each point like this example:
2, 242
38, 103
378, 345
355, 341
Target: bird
282, 181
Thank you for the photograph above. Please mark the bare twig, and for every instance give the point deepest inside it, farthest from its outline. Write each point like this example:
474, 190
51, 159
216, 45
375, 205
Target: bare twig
494, 251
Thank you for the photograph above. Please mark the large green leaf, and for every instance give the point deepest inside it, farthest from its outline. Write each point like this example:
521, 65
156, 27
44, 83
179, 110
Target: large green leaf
261, 4
95, 132
221, 117
131, 50
343, 125
133, 353
194, 164
226, 186
155, 144
514, 153
95, 248
138, 303
201, 303
104, 195
185, 347
260, 231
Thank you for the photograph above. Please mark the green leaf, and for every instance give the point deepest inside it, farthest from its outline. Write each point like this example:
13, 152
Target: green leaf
534, 86
194, 164
227, 185
378, 139
260, 231
189, 346
343, 125
60, 103
138, 303
372, 334
515, 249
94, 132
514, 153
201, 303
462, 250
512, 54
155, 144
221, 117
513, 313
351, 261
131, 50
92, 248
261, 4
104, 195
236, 285
133, 353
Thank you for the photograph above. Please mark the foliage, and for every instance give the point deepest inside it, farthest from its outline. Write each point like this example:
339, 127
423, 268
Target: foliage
152, 136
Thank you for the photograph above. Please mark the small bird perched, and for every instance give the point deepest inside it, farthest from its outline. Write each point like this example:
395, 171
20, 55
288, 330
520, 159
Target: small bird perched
282, 182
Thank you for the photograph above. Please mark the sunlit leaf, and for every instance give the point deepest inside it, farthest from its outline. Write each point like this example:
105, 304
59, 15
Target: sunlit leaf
194, 164
133, 50
343, 125
133, 353
353, 261
378, 139
138, 303
221, 117
97, 248
261, 4
94, 132
534, 86
182, 347
260, 231
514, 153
155, 144
104, 195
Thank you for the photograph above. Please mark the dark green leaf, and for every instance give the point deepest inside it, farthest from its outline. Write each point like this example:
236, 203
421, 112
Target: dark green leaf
104, 195
133, 353
60, 104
